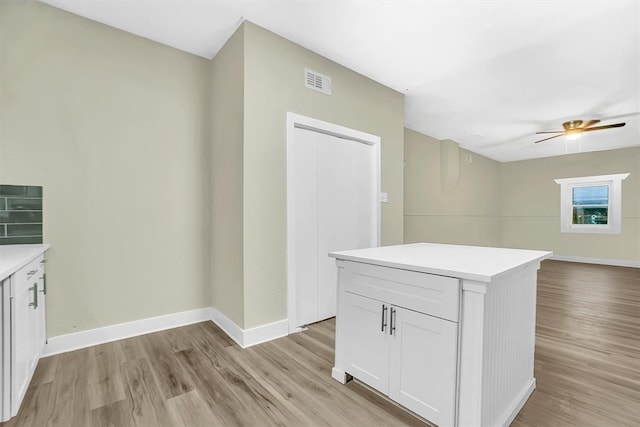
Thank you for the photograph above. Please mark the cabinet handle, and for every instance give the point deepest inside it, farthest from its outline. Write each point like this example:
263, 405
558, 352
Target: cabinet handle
384, 317
32, 272
34, 304
393, 321
44, 283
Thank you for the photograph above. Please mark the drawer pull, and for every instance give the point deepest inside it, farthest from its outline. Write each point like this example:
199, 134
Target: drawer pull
34, 288
32, 272
384, 317
44, 283
393, 321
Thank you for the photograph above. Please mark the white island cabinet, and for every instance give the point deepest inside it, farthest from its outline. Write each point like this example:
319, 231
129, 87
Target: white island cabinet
23, 331
446, 331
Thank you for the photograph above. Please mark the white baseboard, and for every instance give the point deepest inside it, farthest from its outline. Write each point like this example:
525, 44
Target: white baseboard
244, 338
518, 403
339, 375
603, 261
248, 337
91, 337
264, 333
229, 327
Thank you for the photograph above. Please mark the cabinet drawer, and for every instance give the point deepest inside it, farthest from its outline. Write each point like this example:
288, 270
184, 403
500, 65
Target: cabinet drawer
28, 275
426, 293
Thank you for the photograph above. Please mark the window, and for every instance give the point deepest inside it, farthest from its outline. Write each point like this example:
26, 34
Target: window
591, 204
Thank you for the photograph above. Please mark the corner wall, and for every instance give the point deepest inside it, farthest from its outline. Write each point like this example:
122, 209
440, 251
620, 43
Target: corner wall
113, 127
274, 85
227, 177
514, 204
465, 212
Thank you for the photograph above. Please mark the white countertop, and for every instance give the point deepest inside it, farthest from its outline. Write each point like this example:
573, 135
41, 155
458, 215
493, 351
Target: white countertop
14, 257
465, 262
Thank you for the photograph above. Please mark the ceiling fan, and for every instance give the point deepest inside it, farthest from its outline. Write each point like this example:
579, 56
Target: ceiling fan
573, 129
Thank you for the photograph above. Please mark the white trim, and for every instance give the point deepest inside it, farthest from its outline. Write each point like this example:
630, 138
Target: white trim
603, 261
297, 120
588, 179
264, 333
614, 223
91, 337
229, 327
512, 412
244, 338
249, 337
339, 375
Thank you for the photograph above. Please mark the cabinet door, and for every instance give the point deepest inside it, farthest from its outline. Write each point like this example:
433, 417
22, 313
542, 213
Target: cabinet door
23, 344
39, 325
366, 340
5, 337
423, 365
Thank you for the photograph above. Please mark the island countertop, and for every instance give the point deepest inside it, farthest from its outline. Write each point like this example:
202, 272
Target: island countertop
14, 257
478, 263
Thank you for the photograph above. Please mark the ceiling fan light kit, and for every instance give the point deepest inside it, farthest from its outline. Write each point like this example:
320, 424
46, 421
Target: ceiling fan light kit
573, 129
572, 136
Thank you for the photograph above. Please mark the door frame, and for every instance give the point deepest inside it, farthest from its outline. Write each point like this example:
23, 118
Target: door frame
302, 122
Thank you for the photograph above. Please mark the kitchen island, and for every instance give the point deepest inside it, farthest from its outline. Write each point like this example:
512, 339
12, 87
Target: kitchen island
447, 331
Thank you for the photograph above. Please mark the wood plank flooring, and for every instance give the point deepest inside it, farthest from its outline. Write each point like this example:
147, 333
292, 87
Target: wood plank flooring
587, 368
587, 362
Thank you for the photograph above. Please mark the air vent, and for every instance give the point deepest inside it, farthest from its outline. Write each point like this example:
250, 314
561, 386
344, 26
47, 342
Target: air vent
317, 81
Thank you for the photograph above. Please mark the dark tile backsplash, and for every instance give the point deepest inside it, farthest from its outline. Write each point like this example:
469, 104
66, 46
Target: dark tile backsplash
21, 190
24, 204
20, 214
20, 240
18, 230
20, 217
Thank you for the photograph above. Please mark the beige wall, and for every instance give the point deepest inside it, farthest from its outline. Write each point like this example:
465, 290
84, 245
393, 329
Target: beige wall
531, 204
514, 204
274, 76
227, 138
468, 213
113, 127
164, 173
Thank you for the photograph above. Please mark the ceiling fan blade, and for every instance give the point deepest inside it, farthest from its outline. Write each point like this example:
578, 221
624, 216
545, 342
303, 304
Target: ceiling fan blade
551, 131
616, 125
589, 123
546, 139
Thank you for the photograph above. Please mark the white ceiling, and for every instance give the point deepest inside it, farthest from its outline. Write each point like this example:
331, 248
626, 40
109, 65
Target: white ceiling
485, 73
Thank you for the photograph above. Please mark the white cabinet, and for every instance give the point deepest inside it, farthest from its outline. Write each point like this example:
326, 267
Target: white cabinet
27, 327
22, 324
446, 331
40, 335
5, 356
367, 349
23, 332
423, 364
407, 355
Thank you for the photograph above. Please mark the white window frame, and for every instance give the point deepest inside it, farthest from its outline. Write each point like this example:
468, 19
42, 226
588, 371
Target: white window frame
614, 213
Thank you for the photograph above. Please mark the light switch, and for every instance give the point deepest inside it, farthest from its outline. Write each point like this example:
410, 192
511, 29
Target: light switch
384, 197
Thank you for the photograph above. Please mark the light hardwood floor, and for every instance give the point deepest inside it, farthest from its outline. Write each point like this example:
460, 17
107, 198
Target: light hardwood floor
587, 362
587, 368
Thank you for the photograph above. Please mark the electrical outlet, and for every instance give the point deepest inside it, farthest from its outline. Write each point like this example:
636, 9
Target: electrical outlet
384, 197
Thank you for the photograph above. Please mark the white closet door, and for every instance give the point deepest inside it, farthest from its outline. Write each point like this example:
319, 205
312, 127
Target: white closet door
305, 226
334, 190
346, 194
